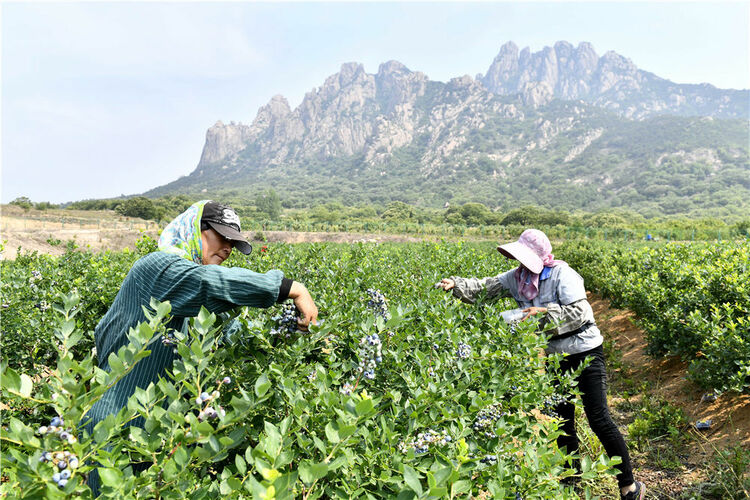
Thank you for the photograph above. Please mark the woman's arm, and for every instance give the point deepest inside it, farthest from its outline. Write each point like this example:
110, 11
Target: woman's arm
469, 289
572, 309
569, 317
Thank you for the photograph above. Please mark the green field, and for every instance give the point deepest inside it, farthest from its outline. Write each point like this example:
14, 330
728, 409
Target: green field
458, 405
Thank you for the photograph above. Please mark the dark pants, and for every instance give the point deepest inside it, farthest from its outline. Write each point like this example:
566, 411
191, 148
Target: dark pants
592, 383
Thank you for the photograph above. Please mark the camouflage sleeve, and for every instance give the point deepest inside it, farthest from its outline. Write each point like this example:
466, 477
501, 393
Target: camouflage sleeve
469, 289
569, 317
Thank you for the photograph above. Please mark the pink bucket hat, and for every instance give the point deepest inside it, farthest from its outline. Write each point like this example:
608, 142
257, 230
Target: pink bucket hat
532, 249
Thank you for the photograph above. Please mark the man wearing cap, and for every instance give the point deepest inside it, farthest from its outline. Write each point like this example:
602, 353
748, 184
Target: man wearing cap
543, 285
186, 272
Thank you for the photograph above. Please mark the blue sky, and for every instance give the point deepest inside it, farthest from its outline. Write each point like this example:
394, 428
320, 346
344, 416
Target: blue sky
103, 99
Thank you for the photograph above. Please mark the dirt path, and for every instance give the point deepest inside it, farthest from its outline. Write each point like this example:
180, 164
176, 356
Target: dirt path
666, 378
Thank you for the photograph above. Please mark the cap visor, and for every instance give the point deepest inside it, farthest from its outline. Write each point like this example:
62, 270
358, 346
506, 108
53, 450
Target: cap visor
238, 241
522, 254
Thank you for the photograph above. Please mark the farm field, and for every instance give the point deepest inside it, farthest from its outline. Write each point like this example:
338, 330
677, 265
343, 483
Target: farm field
458, 405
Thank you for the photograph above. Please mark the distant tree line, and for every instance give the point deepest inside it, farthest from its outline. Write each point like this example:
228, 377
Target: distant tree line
267, 206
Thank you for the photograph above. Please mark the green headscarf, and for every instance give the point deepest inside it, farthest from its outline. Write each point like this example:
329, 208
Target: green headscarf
182, 236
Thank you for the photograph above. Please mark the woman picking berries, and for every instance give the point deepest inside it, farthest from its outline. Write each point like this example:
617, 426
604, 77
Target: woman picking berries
186, 271
544, 286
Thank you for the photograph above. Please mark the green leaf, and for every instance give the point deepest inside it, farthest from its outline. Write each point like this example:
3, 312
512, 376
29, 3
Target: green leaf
239, 462
26, 385
331, 433
181, 456
460, 487
11, 381
272, 442
73, 339
110, 477
21, 431
310, 472
438, 491
411, 478
234, 483
116, 366
262, 385
364, 407
224, 488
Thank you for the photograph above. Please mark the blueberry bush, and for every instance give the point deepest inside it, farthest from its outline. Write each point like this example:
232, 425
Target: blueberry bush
400, 392
693, 299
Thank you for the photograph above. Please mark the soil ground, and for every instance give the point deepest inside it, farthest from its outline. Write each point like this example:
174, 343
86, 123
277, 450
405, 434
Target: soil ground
666, 378
49, 231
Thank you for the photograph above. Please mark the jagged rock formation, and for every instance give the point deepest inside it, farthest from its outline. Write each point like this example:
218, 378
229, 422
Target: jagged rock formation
223, 141
611, 81
563, 105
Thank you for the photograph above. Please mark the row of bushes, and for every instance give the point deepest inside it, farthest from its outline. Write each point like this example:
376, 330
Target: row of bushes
692, 298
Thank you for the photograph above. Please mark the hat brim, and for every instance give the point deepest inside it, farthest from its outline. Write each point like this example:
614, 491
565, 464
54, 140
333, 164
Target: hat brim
238, 241
522, 254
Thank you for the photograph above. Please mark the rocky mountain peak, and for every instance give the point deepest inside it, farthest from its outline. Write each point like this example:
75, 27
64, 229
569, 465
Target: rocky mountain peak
611, 81
224, 140
392, 68
354, 112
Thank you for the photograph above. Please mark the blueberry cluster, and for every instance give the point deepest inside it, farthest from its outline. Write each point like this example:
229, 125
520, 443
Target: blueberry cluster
486, 419
346, 389
377, 303
424, 441
489, 460
512, 327
64, 462
168, 338
56, 427
203, 401
286, 321
464, 350
549, 404
370, 355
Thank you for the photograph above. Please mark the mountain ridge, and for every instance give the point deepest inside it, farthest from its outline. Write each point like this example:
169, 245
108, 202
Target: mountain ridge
556, 108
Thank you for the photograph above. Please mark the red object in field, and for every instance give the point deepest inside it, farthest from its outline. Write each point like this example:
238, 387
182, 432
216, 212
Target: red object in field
264, 248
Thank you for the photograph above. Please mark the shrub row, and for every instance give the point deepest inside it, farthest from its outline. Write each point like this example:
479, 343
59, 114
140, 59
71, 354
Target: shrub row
693, 300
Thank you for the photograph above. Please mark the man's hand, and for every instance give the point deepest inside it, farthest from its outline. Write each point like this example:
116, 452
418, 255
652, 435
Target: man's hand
533, 311
446, 284
308, 311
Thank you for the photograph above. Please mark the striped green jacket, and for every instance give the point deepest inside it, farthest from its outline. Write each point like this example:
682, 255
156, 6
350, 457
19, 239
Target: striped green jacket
187, 286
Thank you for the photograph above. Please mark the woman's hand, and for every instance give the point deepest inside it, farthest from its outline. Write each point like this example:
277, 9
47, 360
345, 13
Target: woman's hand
533, 311
308, 311
446, 284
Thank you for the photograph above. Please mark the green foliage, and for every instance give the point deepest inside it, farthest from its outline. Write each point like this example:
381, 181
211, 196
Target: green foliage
729, 475
269, 204
299, 419
471, 214
398, 211
535, 216
138, 206
28, 290
657, 419
692, 299
23, 202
